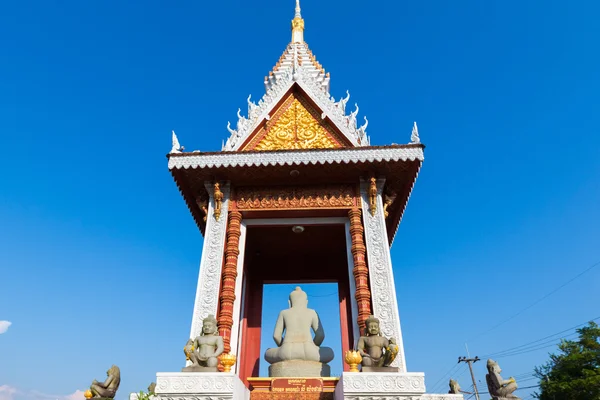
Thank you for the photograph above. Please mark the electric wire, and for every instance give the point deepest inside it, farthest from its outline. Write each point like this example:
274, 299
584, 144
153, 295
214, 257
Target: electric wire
538, 300
490, 355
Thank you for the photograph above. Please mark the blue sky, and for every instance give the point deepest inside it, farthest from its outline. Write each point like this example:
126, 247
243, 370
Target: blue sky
100, 255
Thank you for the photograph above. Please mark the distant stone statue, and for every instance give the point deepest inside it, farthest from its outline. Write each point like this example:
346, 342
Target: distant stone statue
152, 388
454, 387
204, 349
108, 388
499, 388
298, 353
377, 352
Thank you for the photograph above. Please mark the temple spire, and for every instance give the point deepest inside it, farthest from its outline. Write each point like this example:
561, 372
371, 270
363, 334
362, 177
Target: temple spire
298, 25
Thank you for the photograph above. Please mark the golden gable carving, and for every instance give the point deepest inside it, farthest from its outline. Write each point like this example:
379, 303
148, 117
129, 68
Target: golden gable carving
296, 128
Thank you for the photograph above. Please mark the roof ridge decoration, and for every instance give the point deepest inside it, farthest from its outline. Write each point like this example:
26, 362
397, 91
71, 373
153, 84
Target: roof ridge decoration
298, 66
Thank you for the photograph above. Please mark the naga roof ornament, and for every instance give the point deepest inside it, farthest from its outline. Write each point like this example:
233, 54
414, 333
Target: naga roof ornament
297, 66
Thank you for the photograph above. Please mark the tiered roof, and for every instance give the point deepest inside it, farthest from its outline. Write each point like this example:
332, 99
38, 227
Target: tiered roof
298, 123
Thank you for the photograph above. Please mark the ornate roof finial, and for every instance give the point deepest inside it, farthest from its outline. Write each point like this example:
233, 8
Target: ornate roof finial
414, 137
298, 25
176, 148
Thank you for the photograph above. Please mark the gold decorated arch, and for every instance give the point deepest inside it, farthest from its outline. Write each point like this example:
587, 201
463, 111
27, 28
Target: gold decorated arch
295, 125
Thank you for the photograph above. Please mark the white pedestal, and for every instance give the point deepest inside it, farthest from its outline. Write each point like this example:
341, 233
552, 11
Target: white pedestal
388, 386
200, 386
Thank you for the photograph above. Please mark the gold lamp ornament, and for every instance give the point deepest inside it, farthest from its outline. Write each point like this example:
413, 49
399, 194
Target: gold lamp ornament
88, 394
353, 358
228, 361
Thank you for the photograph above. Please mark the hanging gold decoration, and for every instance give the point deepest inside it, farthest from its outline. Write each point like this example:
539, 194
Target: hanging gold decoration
296, 128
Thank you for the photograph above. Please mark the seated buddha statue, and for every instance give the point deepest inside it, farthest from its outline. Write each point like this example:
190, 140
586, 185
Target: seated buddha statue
297, 347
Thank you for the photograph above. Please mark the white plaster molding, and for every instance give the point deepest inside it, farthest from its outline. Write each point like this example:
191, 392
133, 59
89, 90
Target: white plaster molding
200, 385
380, 385
301, 157
297, 67
403, 397
381, 275
209, 278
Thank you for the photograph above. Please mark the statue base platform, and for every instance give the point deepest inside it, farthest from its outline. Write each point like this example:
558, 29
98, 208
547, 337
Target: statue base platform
200, 369
386, 385
292, 388
302, 368
380, 369
198, 385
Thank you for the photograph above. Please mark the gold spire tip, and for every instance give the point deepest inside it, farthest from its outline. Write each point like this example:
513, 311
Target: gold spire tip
298, 25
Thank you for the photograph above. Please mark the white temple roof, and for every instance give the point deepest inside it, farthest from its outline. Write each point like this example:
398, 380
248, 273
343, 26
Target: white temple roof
298, 65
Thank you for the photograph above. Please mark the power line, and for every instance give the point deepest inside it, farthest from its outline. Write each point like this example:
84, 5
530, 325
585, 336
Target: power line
539, 340
436, 385
538, 301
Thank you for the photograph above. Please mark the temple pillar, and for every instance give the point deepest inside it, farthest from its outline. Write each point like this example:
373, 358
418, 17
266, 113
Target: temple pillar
360, 271
209, 278
227, 298
381, 277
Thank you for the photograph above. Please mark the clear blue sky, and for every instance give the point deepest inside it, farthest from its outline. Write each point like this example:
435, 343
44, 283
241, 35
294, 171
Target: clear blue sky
99, 255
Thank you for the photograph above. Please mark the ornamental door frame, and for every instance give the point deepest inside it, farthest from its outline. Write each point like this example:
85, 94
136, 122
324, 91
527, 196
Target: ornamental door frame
238, 314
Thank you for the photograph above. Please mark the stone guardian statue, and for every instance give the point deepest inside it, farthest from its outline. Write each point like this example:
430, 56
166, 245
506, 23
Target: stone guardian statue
377, 352
108, 388
204, 349
298, 354
499, 388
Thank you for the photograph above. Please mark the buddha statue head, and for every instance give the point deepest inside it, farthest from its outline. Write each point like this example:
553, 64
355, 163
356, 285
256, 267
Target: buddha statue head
298, 298
209, 325
372, 326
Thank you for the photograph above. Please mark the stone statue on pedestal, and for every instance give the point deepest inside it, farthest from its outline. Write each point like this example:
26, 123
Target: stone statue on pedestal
377, 352
108, 388
499, 388
298, 354
204, 349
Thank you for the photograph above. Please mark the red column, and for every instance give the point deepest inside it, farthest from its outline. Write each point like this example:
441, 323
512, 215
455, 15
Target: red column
229, 276
360, 272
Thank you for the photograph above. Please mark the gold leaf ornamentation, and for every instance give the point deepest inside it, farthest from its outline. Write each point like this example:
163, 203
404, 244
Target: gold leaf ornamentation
330, 196
296, 128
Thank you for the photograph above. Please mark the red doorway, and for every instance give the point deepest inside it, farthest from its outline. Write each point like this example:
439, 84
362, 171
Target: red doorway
276, 254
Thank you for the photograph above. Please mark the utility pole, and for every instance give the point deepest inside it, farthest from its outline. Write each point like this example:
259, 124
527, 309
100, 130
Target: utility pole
470, 361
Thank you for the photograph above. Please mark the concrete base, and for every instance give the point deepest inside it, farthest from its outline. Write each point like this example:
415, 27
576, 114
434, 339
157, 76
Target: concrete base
198, 386
386, 385
305, 369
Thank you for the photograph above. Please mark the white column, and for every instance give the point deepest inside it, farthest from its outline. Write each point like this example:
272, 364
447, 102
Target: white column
211, 263
381, 276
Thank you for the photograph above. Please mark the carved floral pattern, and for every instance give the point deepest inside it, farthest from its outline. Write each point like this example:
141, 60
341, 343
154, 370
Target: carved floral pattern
295, 127
383, 291
360, 270
197, 383
306, 157
207, 292
227, 295
392, 383
326, 196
